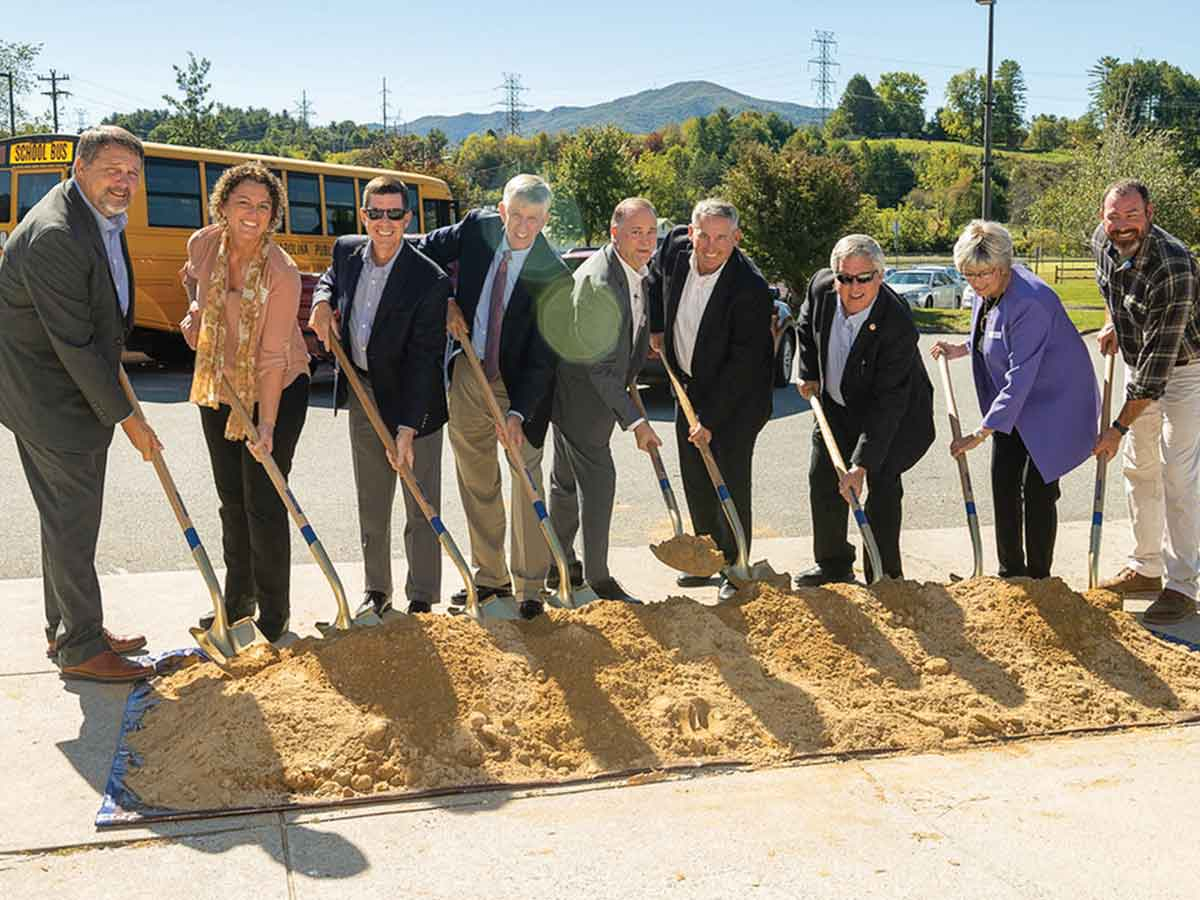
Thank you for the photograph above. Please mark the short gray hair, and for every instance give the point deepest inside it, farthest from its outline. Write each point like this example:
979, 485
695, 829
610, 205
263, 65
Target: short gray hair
92, 141
528, 189
715, 206
983, 244
630, 205
856, 245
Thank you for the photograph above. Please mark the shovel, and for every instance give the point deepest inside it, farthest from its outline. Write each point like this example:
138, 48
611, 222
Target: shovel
964, 471
343, 622
566, 598
839, 466
493, 608
692, 554
741, 573
222, 641
1110, 366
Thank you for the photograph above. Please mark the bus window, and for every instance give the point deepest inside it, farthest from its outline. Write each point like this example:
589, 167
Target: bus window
437, 214
32, 187
212, 171
413, 202
304, 204
172, 193
340, 215
5, 196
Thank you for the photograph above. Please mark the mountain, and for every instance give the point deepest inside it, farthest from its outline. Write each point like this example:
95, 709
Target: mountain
638, 113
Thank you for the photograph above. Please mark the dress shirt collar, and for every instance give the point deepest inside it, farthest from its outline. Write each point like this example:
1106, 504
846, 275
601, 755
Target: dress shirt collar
856, 320
632, 275
711, 275
107, 225
369, 258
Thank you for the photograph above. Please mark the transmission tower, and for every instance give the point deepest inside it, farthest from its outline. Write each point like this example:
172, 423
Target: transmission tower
385, 104
55, 92
823, 46
512, 104
304, 109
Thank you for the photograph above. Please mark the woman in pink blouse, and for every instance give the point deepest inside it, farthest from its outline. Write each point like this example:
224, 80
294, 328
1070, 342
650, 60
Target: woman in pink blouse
242, 322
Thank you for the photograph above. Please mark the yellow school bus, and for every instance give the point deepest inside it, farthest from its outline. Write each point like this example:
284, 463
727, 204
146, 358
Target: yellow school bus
172, 202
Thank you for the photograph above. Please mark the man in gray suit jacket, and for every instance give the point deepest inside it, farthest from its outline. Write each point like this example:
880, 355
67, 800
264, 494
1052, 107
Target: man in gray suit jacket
610, 338
66, 307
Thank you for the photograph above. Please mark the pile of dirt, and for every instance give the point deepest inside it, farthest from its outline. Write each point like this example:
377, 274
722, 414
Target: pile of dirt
429, 701
695, 554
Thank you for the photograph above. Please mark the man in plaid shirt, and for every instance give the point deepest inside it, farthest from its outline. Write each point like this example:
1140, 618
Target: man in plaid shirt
1151, 287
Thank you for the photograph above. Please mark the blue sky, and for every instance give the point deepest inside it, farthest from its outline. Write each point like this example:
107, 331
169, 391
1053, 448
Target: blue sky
449, 58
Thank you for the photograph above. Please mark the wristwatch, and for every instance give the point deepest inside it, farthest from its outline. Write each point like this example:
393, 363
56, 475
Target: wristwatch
1124, 429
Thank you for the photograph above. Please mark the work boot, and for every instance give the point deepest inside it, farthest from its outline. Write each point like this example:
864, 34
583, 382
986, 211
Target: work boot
1170, 607
1128, 581
576, 572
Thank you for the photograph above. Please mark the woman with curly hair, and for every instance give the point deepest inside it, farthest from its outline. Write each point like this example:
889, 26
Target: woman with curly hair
242, 323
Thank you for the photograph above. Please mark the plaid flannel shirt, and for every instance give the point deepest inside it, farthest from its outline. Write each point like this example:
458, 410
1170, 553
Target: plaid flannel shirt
1154, 301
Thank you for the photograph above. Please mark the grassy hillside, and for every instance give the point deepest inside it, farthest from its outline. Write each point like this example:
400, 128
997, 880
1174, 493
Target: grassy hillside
915, 145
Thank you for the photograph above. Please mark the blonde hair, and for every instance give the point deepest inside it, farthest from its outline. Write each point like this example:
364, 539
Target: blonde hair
983, 244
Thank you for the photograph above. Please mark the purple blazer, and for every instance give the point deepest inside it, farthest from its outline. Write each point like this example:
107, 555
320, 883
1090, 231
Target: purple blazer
1035, 375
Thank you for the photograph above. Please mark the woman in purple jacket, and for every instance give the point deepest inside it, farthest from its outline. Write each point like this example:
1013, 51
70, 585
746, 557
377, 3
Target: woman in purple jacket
1037, 391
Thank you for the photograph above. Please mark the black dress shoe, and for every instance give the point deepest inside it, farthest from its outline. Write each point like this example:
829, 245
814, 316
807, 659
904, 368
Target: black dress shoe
418, 606
374, 601
575, 570
608, 589
206, 620
690, 581
727, 592
273, 629
459, 598
816, 576
531, 609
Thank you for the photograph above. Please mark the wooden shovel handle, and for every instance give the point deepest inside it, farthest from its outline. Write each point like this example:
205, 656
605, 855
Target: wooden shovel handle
689, 413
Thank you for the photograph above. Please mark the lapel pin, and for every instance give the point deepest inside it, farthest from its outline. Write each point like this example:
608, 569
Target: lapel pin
871, 327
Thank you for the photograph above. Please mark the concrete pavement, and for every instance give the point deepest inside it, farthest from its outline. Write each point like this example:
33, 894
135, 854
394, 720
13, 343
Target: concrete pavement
1102, 816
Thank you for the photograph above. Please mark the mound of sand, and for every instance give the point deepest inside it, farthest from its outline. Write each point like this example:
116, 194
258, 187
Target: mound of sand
431, 701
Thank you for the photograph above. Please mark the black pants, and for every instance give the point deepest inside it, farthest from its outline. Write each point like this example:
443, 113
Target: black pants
733, 450
1019, 493
254, 522
830, 513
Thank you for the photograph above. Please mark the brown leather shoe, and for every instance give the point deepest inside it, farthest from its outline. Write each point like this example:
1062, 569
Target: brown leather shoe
1170, 607
116, 643
108, 666
1128, 581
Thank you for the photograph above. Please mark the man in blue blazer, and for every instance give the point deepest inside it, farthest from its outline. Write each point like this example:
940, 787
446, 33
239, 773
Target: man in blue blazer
391, 303
509, 281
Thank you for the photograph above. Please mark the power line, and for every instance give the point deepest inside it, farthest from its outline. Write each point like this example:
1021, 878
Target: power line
823, 45
55, 92
512, 103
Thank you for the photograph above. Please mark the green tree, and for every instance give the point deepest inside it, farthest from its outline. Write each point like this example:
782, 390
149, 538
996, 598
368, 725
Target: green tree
595, 171
883, 172
793, 208
18, 59
1047, 132
1148, 93
664, 180
192, 120
860, 107
1008, 105
902, 95
962, 116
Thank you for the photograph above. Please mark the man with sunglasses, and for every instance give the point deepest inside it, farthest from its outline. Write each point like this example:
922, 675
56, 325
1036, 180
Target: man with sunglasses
391, 308
858, 348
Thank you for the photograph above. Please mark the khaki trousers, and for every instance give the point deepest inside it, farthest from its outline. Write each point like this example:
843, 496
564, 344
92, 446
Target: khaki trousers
477, 462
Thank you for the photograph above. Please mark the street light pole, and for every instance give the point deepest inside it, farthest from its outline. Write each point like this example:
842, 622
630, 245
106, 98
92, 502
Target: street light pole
987, 117
12, 110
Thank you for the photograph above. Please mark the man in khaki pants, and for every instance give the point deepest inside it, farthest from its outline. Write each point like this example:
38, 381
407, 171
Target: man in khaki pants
507, 275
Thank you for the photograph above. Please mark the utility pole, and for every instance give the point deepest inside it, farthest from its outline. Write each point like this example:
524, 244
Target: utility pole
304, 109
823, 46
54, 93
12, 110
385, 104
512, 104
987, 116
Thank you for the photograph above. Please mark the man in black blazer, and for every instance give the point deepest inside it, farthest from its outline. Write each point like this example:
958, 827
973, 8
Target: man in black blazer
509, 282
391, 305
858, 347
66, 308
710, 315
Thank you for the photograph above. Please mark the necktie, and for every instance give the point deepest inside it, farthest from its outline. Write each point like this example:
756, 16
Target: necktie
491, 354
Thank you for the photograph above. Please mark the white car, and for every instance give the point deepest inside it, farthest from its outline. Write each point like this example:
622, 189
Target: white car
925, 288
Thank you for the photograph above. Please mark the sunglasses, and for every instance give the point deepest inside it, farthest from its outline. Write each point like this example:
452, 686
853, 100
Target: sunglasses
394, 214
864, 278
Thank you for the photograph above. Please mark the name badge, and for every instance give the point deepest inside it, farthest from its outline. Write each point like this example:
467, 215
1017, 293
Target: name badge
995, 335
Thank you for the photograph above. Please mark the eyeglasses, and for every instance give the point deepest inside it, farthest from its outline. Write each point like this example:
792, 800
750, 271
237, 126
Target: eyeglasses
981, 275
864, 278
394, 214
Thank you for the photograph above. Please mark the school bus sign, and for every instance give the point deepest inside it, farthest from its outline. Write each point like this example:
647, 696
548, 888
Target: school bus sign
41, 153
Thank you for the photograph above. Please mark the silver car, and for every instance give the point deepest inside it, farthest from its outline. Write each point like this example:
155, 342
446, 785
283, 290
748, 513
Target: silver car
925, 288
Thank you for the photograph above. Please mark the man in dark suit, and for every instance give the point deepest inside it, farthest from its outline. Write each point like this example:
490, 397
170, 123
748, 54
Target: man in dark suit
509, 278
66, 308
610, 336
710, 315
391, 303
858, 346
